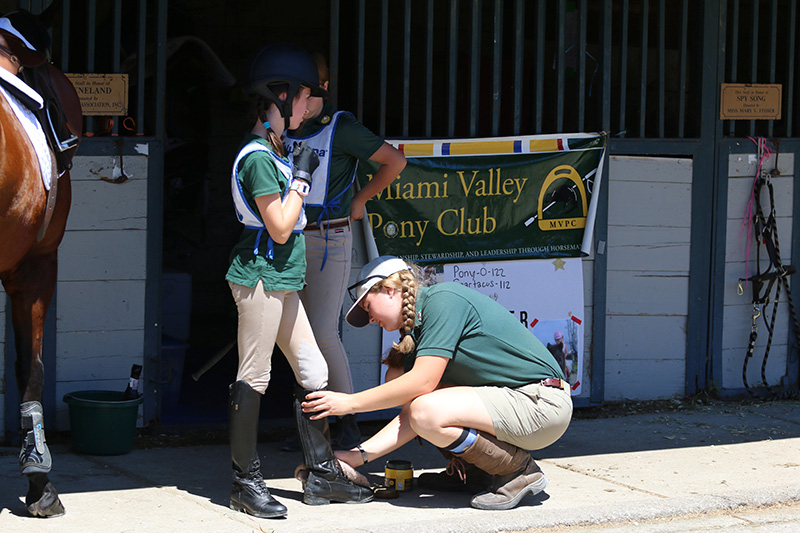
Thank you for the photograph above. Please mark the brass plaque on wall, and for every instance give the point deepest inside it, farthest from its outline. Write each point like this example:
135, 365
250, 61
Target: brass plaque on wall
102, 94
744, 101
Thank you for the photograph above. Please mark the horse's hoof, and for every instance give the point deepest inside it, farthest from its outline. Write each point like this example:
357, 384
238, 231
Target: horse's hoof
47, 506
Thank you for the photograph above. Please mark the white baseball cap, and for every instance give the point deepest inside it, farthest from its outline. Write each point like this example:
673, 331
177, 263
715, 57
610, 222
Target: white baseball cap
376, 270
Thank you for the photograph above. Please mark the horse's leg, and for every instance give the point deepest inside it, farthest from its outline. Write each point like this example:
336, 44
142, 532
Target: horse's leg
30, 288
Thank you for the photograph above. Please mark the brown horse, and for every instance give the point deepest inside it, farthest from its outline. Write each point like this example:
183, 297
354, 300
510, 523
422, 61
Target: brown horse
28, 272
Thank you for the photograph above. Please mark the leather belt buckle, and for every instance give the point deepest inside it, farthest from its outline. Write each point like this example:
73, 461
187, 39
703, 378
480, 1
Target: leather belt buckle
329, 225
553, 382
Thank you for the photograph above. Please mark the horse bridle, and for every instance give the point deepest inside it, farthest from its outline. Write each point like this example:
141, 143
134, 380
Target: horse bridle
774, 276
4, 50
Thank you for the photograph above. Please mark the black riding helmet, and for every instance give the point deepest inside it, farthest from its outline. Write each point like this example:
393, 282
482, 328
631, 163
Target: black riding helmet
283, 64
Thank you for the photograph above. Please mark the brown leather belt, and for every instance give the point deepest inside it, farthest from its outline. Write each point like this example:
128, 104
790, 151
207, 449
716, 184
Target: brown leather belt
329, 224
552, 382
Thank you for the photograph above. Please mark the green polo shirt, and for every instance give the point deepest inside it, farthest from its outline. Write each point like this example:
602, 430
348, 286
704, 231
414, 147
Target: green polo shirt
485, 343
351, 141
260, 176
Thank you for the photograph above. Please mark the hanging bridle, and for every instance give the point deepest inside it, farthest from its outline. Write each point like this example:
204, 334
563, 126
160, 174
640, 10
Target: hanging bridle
765, 230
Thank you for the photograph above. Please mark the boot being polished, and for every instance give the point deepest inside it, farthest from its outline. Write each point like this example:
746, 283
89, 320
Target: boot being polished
326, 482
515, 472
249, 493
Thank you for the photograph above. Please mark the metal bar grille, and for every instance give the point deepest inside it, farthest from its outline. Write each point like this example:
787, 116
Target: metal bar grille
116, 46
754, 55
630, 67
140, 70
790, 68
66, 9
682, 74
661, 66
761, 49
734, 51
90, 48
104, 27
497, 66
406, 65
361, 52
643, 52
333, 59
475, 68
519, 25
605, 120
429, 71
539, 82
452, 71
773, 49
623, 82
384, 59
559, 65
582, 66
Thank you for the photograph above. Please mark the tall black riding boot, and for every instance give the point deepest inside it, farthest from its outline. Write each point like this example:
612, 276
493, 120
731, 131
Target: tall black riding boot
249, 493
326, 482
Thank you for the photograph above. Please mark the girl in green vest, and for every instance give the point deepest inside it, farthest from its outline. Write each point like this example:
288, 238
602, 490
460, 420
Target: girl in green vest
267, 269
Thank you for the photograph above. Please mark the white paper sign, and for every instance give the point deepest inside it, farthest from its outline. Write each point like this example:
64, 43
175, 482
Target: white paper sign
545, 294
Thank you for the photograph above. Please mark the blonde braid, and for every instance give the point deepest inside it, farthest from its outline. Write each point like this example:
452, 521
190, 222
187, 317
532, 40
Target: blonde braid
405, 281
409, 295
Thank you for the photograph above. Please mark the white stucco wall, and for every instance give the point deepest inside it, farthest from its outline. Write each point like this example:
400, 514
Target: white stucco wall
649, 223
101, 279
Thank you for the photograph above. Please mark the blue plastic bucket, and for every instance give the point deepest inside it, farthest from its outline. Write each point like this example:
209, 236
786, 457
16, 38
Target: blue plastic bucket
101, 422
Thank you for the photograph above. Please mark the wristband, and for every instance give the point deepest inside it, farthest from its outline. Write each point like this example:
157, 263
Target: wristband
363, 454
300, 186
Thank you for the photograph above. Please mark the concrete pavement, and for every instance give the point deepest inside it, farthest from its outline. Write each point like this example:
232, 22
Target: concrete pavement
697, 467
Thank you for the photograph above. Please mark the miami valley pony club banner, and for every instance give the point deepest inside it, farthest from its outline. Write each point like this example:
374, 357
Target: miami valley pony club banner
489, 199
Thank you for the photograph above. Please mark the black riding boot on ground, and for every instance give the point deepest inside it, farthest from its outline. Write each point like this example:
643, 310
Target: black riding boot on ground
326, 482
249, 493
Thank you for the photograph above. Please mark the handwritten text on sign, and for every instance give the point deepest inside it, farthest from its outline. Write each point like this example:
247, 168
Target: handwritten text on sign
481, 277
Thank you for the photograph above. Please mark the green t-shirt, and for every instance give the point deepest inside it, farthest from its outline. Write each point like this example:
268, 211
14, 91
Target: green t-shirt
260, 176
485, 343
351, 141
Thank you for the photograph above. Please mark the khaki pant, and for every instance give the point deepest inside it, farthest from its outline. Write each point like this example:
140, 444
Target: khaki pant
531, 417
323, 297
267, 318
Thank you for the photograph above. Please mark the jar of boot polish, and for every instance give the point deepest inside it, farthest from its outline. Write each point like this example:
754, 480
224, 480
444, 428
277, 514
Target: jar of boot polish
399, 475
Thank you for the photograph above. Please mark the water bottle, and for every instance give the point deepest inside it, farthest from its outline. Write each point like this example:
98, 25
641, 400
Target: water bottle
132, 390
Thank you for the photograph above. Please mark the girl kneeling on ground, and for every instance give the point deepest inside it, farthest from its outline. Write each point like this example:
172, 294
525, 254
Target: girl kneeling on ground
470, 378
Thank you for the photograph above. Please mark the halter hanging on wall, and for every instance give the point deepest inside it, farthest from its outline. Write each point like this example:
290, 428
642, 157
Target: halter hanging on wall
765, 231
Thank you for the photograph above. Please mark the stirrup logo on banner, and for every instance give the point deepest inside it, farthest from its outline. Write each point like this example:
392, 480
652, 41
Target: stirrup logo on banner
562, 193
